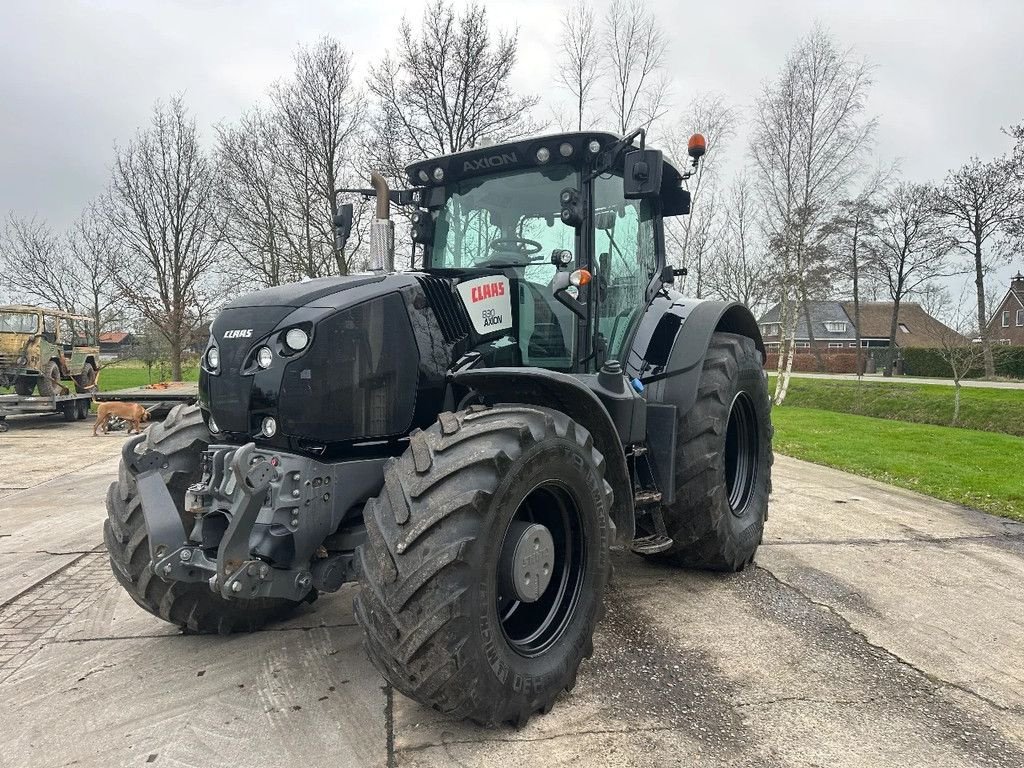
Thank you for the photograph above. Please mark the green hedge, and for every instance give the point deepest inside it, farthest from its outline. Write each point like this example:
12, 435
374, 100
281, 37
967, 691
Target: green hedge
921, 361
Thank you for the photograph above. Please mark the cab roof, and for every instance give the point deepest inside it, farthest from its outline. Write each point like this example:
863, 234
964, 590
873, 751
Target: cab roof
562, 148
26, 309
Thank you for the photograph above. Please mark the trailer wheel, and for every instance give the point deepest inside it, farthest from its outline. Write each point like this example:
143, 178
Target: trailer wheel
70, 410
23, 385
192, 606
723, 462
82, 411
486, 562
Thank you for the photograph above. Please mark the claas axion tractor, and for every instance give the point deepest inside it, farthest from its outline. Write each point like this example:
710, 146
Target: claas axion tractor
468, 440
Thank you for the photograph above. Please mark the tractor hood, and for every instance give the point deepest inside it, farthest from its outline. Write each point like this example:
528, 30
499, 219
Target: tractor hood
302, 294
360, 375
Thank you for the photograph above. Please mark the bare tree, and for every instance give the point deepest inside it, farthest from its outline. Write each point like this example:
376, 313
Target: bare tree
694, 239
810, 135
635, 44
980, 205
954, 339
854, 231
912, 251
38, 266
445, 89
579, 64
91, 244
321, 113
738, 271
161, 210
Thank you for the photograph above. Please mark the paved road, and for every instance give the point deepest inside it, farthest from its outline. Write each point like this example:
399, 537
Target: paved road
878, 628
910, 380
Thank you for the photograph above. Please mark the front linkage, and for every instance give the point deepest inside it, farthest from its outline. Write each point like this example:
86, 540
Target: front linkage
245, 500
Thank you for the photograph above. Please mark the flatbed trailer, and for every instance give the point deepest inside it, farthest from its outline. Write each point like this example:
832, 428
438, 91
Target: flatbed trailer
158, 399
74, 406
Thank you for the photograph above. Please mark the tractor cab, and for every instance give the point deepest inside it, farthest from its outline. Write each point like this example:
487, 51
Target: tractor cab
571, 231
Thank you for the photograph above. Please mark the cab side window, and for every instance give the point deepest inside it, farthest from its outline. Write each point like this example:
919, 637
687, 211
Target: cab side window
50, 329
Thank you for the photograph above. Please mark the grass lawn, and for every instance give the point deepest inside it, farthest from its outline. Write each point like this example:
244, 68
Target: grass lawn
991, 410
132, 373
969, 467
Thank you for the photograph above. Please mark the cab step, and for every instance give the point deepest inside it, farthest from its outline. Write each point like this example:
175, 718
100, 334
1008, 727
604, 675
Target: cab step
651, 545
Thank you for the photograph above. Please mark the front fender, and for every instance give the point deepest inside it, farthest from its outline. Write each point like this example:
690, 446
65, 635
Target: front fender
671, 341
550, 389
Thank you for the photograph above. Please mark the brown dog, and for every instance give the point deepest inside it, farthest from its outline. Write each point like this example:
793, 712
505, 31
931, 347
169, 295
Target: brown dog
130, 412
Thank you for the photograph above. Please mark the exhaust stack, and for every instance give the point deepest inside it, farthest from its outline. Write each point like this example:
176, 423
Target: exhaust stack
382, 229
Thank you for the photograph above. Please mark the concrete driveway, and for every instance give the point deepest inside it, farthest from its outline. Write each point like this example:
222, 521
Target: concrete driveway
878, 628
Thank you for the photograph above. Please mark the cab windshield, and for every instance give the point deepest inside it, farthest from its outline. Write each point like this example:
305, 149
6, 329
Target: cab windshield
511, 222
506, 220
18, 322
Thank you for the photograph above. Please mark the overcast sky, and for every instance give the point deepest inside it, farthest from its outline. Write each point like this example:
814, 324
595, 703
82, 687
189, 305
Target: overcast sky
76, 77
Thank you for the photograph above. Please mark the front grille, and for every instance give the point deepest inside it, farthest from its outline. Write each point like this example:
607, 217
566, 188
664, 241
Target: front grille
230, 392
448, 308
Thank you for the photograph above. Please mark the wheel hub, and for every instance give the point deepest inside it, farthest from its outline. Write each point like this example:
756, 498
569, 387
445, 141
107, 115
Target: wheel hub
527, 560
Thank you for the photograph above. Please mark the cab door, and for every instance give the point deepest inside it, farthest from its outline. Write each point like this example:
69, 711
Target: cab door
625, 262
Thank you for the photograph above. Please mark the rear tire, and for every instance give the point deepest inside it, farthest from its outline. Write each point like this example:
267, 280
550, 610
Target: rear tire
87, 378
723, 462
49, 382
193, 606
437, 621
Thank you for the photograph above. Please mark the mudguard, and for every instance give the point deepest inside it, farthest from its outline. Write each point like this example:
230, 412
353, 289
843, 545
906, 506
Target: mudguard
672, 338
551, 389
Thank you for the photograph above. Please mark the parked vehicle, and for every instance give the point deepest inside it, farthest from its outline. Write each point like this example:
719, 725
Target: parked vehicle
468, 440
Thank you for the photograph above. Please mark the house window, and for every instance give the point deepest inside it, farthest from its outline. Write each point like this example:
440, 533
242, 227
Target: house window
835, 345
853, 344
1006, 318
771, 346
1020, 318
770, 329
904, 328
803, 345
835, 326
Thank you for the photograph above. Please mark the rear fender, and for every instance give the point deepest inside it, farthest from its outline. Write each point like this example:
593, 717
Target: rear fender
565, 393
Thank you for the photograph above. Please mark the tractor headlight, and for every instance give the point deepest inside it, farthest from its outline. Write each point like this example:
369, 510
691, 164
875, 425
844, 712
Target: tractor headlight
543, 155
269, 428
565, 150
439, 174
424, 176
594, 146
264, 357
213, 358
296, 339
22, 360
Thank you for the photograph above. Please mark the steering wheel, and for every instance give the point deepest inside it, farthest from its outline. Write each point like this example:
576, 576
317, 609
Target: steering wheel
513, 250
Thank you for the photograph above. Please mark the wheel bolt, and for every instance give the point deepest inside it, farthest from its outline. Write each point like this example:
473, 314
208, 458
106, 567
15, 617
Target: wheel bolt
186, 555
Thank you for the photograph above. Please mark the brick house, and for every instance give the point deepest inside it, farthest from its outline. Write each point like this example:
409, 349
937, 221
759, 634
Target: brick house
832, 324
1007, 323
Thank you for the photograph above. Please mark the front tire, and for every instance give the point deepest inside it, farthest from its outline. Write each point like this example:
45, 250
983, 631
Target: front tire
23, 385
193, 606
442, 604
723, 462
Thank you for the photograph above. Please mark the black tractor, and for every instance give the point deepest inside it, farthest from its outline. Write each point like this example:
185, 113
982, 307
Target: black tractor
468, 440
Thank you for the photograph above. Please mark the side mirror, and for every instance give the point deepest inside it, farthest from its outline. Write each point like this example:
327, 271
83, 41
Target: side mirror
342, 226
642, 171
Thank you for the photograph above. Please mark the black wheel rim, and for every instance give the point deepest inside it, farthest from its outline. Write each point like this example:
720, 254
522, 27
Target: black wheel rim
531, 629
741, 441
